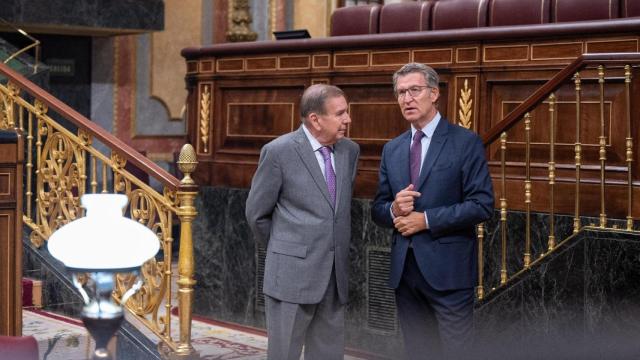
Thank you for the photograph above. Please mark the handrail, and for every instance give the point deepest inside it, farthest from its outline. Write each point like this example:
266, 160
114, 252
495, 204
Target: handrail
601, 188
555, 82
129, 153
35, 44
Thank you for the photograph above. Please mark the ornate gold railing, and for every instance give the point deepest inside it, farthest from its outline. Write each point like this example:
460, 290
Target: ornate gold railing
597, 70
63, 164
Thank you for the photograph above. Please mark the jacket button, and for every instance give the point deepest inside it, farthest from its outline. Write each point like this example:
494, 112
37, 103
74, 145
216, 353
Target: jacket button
331, 248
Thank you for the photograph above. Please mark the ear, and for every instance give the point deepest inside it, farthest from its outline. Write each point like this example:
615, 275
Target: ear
434, 94
314, 121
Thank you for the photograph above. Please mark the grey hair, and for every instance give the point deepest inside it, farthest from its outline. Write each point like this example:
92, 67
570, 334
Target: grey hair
315, 97
430, 76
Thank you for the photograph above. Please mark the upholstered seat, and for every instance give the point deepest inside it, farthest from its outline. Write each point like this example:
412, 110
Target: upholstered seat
355, 20
405, 16
630, 8
458, 14
579, 10
18, 348
518, 12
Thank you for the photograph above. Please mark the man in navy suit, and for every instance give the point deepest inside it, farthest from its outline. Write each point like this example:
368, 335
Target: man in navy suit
434, 188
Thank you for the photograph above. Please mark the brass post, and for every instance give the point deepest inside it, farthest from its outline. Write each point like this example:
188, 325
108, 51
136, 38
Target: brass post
603, 150
629, 152
480, 288
578, 156
527, 189
94, 174
104, 178
41, 130
29, 165
186, 195
503, 207
552, 171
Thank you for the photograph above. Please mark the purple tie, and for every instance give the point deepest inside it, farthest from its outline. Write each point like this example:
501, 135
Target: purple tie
329, 174
415, 154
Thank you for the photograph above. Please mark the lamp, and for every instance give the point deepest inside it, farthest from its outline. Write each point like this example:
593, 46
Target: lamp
102, 244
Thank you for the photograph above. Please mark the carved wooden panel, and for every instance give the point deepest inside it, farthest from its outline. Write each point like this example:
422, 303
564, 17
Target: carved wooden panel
467, 55
7, 182
206, 66
295, 62
433, 56
626, 45
375, 121
346, 60
506, 53
556, 51
10, 238
386, 58
321, 61
192, 67
266, 63
253, 116
229, 65
277, 119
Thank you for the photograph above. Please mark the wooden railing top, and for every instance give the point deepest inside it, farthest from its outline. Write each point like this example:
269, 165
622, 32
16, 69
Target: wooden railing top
129, 153
554, 83
417, 38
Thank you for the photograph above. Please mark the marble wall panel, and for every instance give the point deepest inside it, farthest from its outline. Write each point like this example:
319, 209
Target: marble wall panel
543, 311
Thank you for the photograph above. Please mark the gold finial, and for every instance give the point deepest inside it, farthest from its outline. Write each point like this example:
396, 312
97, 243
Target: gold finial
187, 163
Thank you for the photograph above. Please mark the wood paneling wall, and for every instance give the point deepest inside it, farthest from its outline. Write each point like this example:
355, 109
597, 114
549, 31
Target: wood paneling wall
11, 158
238, 103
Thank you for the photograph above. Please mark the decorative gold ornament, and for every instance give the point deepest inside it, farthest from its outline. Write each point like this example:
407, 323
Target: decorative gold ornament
240, 22
205, 119
466, 103
187, 163
58, 173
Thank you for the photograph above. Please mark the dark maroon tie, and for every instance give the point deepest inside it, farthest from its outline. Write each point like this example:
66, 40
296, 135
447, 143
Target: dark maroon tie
414, 155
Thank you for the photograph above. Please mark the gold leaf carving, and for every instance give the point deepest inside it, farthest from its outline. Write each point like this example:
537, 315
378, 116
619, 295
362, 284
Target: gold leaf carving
466, 106
205, 119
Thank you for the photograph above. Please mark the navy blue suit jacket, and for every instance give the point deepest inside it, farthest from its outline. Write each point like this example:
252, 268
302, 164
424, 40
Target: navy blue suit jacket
456, 194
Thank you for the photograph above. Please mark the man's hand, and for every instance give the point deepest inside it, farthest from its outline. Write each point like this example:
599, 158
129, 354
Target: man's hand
410, 224
403, 204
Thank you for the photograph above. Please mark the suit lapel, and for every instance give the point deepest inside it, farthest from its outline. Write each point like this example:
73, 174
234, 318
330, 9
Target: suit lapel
402, 167
342, 169
304, 150
436, 145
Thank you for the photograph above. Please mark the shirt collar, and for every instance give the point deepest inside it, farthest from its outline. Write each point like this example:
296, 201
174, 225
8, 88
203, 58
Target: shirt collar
315, 144
430, 128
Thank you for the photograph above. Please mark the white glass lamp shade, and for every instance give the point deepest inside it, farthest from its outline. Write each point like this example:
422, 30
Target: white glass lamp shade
103, 240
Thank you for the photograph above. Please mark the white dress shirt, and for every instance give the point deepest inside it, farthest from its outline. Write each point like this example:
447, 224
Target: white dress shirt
315, 145
425, 142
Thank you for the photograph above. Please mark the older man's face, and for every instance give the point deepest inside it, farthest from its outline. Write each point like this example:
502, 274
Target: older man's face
332, 125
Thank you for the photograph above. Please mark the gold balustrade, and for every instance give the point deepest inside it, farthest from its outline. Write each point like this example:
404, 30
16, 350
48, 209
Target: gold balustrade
595, 72
67, 165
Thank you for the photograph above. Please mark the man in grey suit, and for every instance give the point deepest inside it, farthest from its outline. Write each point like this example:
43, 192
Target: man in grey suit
300, 206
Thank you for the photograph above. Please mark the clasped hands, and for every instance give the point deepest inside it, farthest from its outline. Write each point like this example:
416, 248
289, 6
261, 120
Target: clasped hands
407, 221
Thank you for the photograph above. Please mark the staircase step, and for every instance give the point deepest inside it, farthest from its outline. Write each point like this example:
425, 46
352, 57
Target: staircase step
31, 293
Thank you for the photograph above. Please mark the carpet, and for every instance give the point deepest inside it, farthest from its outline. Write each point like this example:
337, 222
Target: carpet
64, 338
59, 337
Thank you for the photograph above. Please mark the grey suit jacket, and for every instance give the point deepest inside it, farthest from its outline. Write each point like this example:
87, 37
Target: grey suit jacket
289, 209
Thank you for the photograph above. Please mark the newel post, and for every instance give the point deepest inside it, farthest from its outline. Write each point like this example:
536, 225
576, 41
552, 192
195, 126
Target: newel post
186, 195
